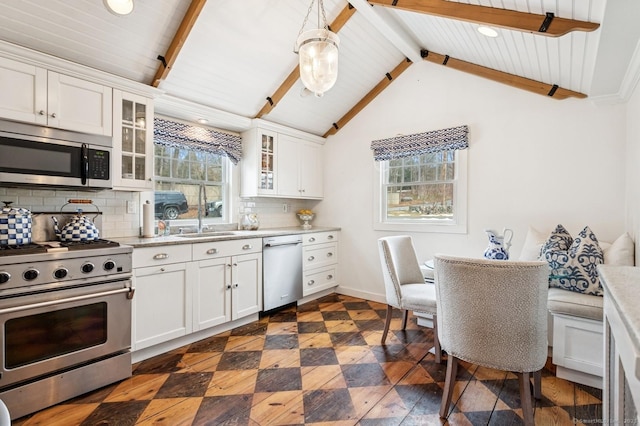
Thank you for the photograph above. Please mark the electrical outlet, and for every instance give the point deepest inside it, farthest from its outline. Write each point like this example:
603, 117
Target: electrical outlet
285, 208
131, 207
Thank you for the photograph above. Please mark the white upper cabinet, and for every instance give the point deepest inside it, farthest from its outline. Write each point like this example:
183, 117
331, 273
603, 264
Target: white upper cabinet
36, 95
132, 141
259, 163
299, 168
276, 164
24, 92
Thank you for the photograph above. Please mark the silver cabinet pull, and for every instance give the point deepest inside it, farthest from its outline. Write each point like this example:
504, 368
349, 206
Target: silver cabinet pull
236, 285
162, 269
41, 112
228, 286
311, 258
235, 264
312, 239
247, 247
212, 251
329, 276
53, 115
329, 237
311, 282
161, 256
329, 254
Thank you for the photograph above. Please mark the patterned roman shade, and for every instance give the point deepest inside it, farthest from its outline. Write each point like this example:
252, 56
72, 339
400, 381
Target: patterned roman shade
172, 133
420, 143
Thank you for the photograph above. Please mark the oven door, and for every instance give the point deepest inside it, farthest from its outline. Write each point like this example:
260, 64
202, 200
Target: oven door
48, 332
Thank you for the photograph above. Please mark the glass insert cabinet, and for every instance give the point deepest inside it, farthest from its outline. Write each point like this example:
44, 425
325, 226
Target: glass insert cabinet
133, 141
267, 161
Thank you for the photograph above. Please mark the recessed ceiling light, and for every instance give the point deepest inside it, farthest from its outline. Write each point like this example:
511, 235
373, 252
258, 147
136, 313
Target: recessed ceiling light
119, 7
202, 120
488, 31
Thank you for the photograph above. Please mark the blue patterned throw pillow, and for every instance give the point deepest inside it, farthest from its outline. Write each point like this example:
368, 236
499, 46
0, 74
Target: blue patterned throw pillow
573, 262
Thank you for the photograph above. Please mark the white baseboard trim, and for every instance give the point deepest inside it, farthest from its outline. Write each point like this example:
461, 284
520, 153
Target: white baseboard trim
579, 377
381, 298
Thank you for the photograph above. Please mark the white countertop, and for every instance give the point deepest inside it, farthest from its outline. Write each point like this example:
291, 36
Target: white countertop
214, 236
622, 286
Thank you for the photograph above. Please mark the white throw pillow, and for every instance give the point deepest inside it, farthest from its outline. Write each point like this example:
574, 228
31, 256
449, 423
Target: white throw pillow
532, 244
621, 252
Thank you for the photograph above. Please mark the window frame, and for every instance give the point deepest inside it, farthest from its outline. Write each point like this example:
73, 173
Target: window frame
457, 225
225, 188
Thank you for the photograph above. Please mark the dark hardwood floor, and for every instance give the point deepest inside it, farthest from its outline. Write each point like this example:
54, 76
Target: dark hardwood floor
320, 363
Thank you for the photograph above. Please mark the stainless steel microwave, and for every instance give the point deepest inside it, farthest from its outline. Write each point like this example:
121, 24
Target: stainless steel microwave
44, 156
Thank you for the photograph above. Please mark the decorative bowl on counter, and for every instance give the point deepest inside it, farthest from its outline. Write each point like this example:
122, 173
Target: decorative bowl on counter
306, 218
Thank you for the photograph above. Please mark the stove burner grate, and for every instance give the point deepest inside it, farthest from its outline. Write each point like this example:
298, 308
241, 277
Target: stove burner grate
91, 244
30, 248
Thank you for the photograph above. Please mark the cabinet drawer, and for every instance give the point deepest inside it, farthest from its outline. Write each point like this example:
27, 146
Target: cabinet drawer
320, 279
161, 255
213, 249
319, 238
319, 255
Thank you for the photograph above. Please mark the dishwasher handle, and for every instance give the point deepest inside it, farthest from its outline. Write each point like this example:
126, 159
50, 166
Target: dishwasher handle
289, 243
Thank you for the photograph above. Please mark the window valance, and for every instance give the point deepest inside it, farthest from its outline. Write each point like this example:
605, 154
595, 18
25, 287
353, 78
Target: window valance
172, 133
420, 143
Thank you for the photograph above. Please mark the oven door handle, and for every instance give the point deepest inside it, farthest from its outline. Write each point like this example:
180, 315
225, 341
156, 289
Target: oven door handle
129, 290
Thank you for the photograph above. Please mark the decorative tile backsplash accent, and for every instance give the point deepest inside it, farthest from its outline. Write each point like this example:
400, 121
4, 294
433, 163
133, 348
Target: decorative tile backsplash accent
116, 222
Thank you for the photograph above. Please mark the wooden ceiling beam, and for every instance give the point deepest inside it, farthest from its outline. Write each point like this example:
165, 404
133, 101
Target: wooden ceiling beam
188, 21
294, 75
383, 84
547, 25
534, 86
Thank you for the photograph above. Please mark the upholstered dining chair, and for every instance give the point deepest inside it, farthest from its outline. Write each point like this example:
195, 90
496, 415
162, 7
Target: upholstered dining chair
493, 313
404, 283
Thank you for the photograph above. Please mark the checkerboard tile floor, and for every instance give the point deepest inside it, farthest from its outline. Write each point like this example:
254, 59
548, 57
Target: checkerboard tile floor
316, 364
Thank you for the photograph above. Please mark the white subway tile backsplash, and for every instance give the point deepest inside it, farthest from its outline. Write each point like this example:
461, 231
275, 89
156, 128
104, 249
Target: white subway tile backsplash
116, 222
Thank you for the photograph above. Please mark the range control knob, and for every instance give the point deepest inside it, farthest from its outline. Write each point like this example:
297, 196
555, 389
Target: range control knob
87, 267
4, 277
60, 273
30, 274
109, 265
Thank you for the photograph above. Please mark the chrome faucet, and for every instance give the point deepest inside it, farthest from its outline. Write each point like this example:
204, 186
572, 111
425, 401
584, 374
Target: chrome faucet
202, 202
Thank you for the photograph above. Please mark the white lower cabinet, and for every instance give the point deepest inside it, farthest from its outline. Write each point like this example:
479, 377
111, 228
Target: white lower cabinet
319, 261
227, 288
184, 288
162, 304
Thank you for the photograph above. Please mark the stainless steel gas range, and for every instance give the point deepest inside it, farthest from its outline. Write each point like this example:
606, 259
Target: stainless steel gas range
65, 321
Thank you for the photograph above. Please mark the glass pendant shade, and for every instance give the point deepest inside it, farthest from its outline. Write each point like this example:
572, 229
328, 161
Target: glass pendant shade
318, 54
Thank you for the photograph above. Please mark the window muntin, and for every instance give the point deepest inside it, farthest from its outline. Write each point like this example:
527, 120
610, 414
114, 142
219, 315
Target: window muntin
423, 193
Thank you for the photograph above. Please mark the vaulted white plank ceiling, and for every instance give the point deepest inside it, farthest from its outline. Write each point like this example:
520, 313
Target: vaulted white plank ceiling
239, 53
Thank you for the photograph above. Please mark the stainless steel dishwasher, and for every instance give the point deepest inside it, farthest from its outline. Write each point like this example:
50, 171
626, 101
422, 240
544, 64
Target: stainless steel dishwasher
281, 270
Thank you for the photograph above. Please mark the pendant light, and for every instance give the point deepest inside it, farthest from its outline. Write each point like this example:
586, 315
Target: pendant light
318, 54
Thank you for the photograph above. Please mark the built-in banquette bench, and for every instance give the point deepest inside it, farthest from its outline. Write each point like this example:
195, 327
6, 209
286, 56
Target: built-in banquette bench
575, 319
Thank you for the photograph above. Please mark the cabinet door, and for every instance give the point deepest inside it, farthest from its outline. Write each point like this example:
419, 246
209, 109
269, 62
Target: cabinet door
132, 142
288, 184
246, 284
161, 305
212, 295
310, 157
79, 105
267, 162
24, 92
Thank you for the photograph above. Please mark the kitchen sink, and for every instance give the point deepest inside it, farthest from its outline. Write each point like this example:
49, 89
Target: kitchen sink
207, 234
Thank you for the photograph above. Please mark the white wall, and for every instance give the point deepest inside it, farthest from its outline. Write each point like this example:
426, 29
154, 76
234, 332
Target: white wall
632, 169
533, 160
